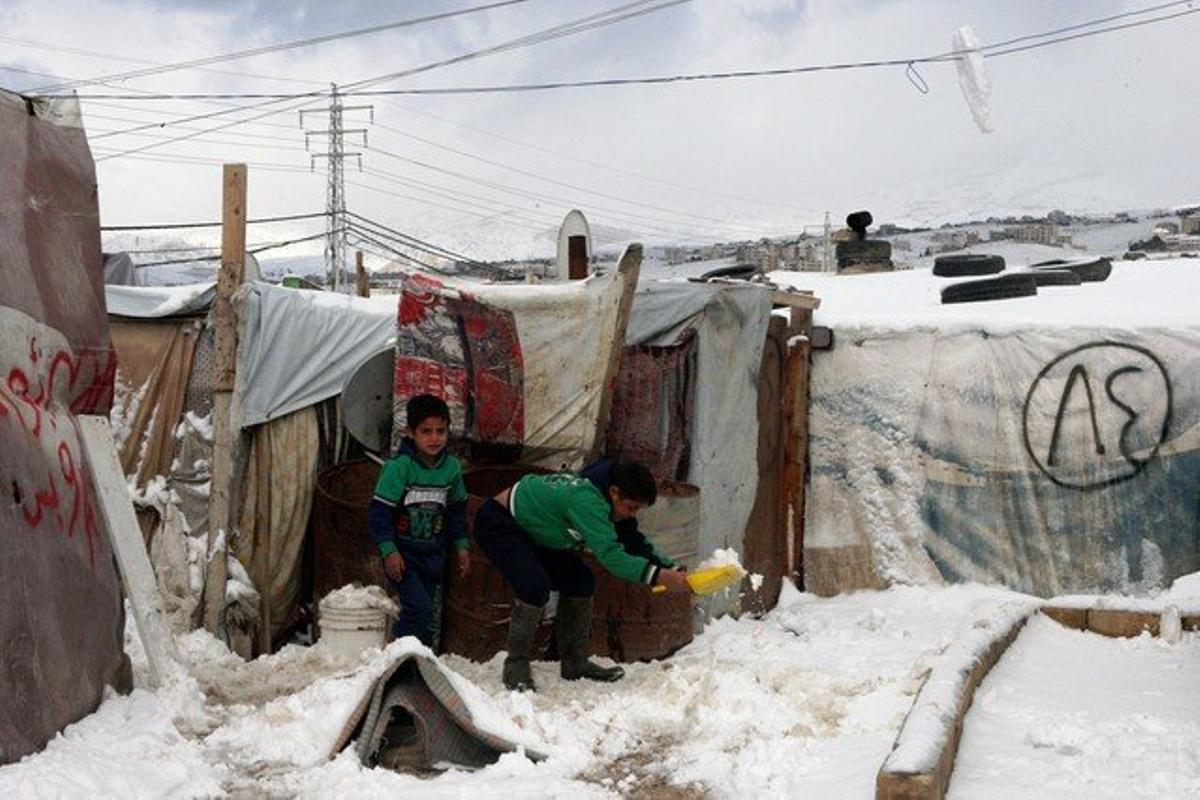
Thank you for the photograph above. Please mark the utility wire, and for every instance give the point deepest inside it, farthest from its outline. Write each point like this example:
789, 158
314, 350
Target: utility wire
20, 42
988, 51
263, 249
274, 48
590, 22
414, 241
179, 225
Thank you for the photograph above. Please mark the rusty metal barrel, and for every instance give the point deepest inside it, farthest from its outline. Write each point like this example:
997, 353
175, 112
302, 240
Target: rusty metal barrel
476, 608
343, 551
672, 524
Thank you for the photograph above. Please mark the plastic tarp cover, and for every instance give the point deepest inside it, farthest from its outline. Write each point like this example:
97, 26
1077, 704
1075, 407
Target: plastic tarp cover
1048, 461
518, 364
61, 616
731, 325
151, 302
298, 347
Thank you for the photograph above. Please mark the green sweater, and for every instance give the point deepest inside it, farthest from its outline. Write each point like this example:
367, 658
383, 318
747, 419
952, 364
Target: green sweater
564, 512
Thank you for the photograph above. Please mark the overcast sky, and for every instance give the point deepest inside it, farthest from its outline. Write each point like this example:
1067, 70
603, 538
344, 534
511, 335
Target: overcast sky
1103, 123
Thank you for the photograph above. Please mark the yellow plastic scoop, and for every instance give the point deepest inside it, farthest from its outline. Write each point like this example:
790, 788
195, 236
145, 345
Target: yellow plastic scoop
711, 580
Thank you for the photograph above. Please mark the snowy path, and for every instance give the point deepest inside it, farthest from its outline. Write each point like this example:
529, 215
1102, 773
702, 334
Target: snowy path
804, 702
1071, 714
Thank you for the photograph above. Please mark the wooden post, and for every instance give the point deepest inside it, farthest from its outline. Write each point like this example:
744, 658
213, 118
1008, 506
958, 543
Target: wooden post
628, 270
360, 275
229, 279
795, 441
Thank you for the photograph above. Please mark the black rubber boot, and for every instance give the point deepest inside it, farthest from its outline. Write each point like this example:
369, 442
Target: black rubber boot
522, 630
572, 630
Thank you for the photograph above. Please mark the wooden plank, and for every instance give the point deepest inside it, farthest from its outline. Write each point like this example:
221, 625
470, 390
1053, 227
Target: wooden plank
360, 275
628, 270
795, 443
804, 300
137, 576
233, 263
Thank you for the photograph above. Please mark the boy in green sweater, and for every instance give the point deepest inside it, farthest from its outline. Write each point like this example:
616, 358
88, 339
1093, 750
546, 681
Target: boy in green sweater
532, 532
418, 514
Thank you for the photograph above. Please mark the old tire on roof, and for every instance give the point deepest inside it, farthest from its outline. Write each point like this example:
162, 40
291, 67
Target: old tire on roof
1055, 277
967, 264
1002, 288
1088, 271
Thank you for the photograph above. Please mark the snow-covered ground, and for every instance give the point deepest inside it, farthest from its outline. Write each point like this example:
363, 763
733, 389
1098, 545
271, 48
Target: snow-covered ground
1071, 714
807, 699
804, 701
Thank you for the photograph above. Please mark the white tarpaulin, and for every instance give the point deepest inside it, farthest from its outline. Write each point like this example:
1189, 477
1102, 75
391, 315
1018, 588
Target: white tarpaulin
152, 302
1052, 444
519, 365
731, 324
298, 347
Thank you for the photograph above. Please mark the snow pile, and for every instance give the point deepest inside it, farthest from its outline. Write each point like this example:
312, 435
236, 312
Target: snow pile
1071, 714
352, 596
1184, 595
935, 711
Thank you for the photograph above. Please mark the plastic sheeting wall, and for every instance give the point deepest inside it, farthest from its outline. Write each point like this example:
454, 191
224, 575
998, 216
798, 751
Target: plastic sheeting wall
1047, 461
731, 326
518, 365
61, 620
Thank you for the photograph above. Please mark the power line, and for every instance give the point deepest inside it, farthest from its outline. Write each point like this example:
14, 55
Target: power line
413, 241
179, 225
20, 42
988, 51
256, 251
590, 22
274, 48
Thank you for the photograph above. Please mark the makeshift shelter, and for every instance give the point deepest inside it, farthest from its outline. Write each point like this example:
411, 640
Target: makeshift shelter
62, 623
296, 350
1047, 443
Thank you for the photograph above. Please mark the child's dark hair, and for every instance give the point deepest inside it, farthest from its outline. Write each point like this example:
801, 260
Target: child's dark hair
424, 406
634, 482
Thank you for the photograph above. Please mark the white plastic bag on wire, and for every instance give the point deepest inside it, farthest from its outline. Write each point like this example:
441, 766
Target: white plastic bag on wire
972, 76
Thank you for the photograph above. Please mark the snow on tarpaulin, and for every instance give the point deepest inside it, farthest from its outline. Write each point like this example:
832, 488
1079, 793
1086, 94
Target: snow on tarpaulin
150, 302
60, 626
298, 348
731, 323
517, 364
1049, 443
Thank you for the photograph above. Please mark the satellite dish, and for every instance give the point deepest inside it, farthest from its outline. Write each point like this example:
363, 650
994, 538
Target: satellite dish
367, 401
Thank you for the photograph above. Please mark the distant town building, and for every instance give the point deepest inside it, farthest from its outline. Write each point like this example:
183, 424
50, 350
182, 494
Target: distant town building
1190, 225
1037, 233
945, 241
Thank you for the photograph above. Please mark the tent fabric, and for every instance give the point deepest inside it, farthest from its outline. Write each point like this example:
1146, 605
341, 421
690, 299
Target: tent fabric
450, 729
519, 365
277, 490
298, 348
1046, 460
154, 365
731, 325
153, 302
61, 629
119, 270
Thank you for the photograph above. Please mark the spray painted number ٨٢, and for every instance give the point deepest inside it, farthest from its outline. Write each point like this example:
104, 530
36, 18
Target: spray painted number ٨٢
1134, 413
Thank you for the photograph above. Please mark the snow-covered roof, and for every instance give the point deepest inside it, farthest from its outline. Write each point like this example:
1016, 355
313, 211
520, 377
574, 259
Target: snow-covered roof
1138, 294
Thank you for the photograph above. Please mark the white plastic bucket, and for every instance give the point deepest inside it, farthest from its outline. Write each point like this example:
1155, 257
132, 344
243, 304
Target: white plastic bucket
349, 631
